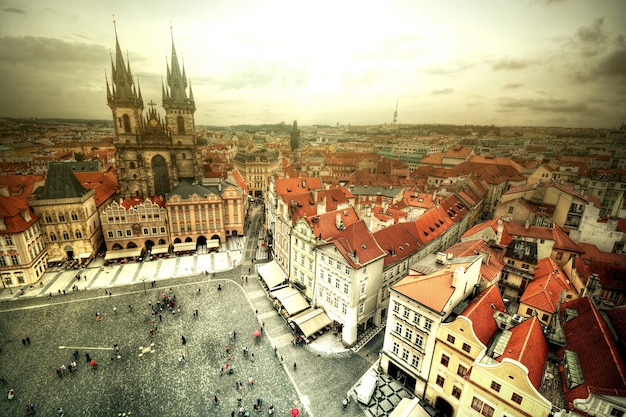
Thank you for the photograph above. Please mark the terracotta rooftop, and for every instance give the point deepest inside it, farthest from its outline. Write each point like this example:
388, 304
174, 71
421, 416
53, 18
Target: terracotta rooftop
325, 225
357, 245
529, 347
587, 334
480, 311
288, 186
11, 209
490, 269
398, 242
544, 291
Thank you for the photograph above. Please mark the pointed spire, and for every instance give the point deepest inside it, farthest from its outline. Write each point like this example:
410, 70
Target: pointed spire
190, 92
122, 80
176, 93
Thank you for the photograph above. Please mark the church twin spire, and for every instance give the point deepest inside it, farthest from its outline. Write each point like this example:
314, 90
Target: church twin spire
123, 90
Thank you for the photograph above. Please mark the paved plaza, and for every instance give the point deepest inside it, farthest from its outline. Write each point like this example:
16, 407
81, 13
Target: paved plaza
146, 378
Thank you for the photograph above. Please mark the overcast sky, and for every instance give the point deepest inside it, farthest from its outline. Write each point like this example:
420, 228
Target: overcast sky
502, 62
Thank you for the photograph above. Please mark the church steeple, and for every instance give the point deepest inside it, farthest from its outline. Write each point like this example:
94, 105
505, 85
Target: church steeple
123, 97
176, 92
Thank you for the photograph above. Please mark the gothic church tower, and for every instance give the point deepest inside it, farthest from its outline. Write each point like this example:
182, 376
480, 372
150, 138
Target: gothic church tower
153, 154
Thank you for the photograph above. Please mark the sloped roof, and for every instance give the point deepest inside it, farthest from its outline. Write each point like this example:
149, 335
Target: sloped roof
334, 197
357, 245
544, 291
185, 189
10, 211
300, 205
587, 334
610, 267
397, 241
529, 347
325, 225
488, 270
61, 183
563, 241
487, 224
617, 318
288, 186
104, 183
21, 185
480, 311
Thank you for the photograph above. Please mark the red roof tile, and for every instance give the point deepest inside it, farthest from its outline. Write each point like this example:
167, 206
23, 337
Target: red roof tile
587, 334
529, 347
544, 291
325, 225
480, 311
357, 245
11, 209
398, 242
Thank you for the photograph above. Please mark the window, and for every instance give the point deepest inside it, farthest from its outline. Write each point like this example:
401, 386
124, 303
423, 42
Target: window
429, 324
406, 313
529, 311
419, 340
48, 218
615, 412
396, 307
53, 237
516, 398
525, 266
415, 361
74, 216
477, 404
8, 240
395, 348
467, 348
146, 231
61, 218
398, 328
405, 354
445, 360
545, 317
337, 283
495, 386
487, 411
408, 334
416, 319
346, 288
15, 260
456, 392
440, 380
511, 210
363, 286
361, 308
3, 261
66, 236
461, 370
78, 234
120, 233
559, 256
451, 339
129, 232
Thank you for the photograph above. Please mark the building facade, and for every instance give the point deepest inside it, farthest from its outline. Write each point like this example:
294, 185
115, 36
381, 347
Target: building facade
153, 154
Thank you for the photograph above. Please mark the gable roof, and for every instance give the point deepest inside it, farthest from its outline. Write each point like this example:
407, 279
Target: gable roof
489, 268
398, 242
544, 291
288, 186
325, 225
11, 209
587, 334
357, 245
481, 310
529, 347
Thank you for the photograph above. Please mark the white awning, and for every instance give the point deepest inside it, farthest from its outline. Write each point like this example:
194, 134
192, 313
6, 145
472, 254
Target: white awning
180, 247
213, 243
271, 274
122, 253
157, 249
311, 321
84, 255
57, 259
293, 302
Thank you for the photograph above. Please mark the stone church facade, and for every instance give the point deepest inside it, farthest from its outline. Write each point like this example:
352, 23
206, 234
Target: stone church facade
154, 154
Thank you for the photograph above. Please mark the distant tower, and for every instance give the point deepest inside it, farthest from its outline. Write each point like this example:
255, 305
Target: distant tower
395, 115
294, 136
153, 154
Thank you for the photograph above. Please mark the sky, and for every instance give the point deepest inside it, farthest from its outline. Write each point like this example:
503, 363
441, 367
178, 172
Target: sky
485, 62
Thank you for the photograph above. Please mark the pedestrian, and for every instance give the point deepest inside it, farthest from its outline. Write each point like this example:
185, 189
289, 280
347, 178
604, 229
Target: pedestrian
88, 357
181, 359
234, 335
252, 356
182, 338
60, 411
94, 364
106, 292
230, 335
215, 400
75, 354
195, 312
115, 310
246, 279
110, 294
24, 342
160, 317
227, 349
130, 308
251, 381
11, 394
232, 413
198, 291
295, 366
241, 282
275, 351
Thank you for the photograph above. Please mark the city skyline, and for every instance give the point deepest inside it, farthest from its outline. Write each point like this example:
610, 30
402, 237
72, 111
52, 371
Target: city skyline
536, 63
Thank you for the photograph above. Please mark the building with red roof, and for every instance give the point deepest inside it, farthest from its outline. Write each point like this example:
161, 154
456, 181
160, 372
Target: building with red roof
348, 281
417, 306
593, 373
23, 255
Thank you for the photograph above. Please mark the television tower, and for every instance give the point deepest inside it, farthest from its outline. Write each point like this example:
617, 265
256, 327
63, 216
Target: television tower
395, 115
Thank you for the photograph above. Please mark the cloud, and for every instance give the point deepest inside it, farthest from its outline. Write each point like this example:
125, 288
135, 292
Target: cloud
613, 64
590, 40
511, 64
550, 105
448, 68
443, 91
512, 86
13, 10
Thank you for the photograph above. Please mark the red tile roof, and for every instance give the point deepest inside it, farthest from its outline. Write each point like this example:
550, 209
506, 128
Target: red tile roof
480, 311
487, 224
325, 225
11, 209
334, 197
544, 291
290, 186
587, 334
105, 184
398, 242
610, 267
617, 318
528, 346
488, 270
357, 245
22, 185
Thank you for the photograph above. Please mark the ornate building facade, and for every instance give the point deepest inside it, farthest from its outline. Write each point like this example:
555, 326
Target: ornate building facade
153, 154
